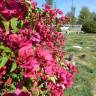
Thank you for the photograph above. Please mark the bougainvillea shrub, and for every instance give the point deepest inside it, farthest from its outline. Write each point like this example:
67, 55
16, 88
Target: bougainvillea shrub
32, 50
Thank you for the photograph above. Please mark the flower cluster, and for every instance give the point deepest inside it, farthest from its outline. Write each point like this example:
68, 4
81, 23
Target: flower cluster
32, 50
13, 8
18, 93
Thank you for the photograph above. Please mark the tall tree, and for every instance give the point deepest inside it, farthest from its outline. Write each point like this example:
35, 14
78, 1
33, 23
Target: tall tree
94, 16
85, 15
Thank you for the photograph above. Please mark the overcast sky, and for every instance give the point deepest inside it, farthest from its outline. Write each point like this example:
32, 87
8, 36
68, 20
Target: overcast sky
66, 4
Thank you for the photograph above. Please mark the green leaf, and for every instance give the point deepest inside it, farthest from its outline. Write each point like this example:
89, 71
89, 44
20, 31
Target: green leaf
4, 61
12, 88
14, 24
19, 24
7, 50
12, 54
2, 46
14, 66
44, 93
14, 76
53, 79
6, 25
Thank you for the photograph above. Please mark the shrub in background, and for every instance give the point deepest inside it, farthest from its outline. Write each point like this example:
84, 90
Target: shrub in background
89, 27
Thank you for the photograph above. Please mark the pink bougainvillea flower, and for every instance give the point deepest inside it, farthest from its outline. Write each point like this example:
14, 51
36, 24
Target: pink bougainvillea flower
13, 8
26, 31
24, 42
55, 90
52, 12
36, 39
8, 13
33, 74
27, 74
31, 64
1, 76
72, 68
24, 94
50, 44
62, 75
65, 78
70, 80
10, 94
9, 81
33, 4
18, 93
14, 38
25, 51
49, 70
2, 73
1, 82
44, 54
2, 5
47, 7
59, 12
3, 70
63, 18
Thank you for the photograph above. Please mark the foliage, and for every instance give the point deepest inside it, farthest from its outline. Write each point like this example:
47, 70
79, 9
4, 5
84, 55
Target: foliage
85, 15
94, 15
31, 50
89, 27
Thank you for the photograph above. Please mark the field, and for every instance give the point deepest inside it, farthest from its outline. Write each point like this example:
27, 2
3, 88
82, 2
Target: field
85, 58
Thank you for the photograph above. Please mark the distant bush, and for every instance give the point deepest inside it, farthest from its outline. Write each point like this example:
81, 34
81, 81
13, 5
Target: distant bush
89, 27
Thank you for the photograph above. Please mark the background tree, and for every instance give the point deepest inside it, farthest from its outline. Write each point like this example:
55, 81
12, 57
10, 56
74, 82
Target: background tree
93, 16
89, 27
85, 15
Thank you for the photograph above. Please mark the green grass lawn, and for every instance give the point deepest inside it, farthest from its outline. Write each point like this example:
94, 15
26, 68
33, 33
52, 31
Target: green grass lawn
85, 81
